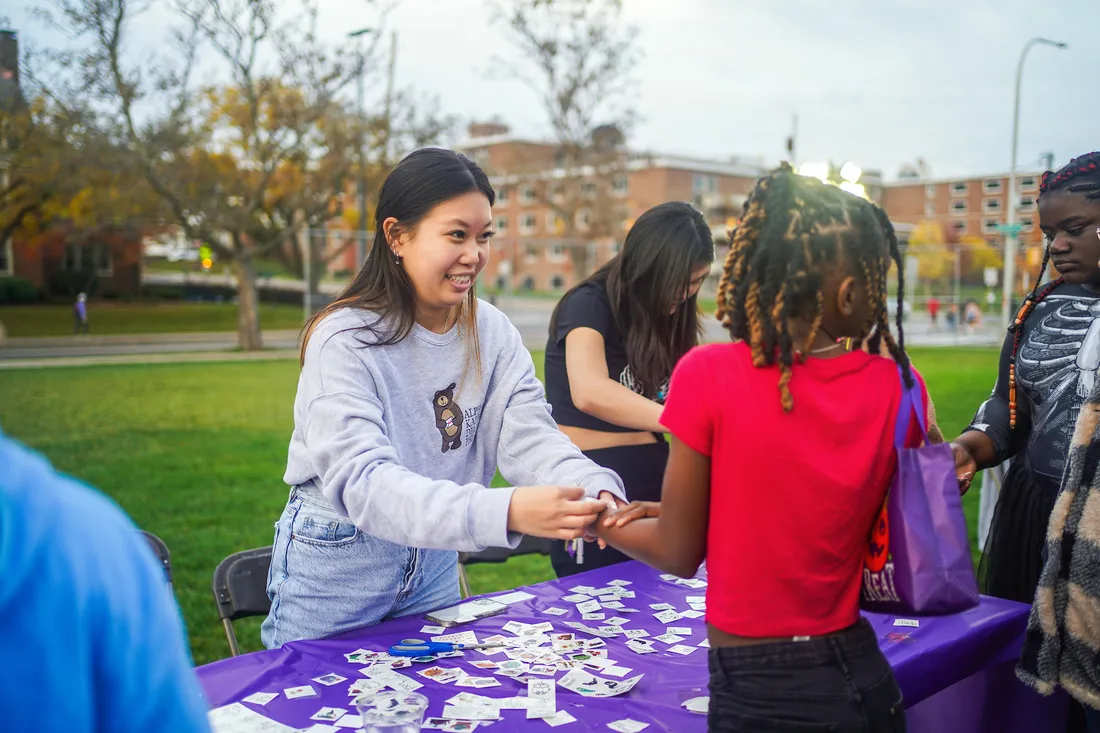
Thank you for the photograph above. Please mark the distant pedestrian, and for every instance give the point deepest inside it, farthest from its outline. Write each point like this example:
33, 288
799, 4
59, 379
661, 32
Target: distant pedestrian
952, 318
973, 316
80, 314
934, 312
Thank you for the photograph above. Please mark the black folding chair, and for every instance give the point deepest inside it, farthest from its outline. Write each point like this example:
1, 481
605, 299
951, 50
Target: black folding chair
240, 589
527, 546
161, 551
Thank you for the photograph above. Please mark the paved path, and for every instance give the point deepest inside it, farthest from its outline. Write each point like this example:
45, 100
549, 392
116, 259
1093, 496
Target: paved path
531, 316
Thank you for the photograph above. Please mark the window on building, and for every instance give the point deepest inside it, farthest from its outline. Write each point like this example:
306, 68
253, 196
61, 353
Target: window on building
528, 224
7, 258
588, 190
556, 253
959, 206
992, 185
530, 253
528, 283
930, 191
989, 225
557, 282
930, 208
703, 184
621, 185
502, 225
584, 219
1028, 183
1028, 224
557, 193
1027, 203
959, 225
97, 257
503, 194
960, 188
991, 206
527, 195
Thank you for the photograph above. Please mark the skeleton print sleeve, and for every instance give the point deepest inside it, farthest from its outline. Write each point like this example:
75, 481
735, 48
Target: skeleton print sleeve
992, 417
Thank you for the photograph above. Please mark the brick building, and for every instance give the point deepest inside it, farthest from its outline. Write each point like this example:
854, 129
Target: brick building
109, 265
531, 245
974, 206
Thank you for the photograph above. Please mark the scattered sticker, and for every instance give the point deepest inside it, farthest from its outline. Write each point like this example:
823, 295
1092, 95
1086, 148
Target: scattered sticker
261, 698
329, 714
330, 679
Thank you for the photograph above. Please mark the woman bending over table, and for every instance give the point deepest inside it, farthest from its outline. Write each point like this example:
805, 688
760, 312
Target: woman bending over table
614, 340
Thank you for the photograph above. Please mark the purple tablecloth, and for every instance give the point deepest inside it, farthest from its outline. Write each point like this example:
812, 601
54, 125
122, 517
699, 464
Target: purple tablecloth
955, 671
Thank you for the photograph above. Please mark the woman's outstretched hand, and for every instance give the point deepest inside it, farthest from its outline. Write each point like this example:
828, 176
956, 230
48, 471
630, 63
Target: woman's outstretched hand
554, 512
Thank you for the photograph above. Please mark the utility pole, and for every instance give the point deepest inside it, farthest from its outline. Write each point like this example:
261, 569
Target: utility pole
361, 183
792, 142
1011, 228
389, 94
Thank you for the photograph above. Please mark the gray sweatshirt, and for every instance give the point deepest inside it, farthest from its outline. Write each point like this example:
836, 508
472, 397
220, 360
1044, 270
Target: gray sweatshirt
404, 439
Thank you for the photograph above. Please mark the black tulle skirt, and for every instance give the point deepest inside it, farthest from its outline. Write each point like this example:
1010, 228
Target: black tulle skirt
1012, 559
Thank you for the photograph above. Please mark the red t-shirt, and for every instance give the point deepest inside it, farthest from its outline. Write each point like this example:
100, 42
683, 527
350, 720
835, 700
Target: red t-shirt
792, 494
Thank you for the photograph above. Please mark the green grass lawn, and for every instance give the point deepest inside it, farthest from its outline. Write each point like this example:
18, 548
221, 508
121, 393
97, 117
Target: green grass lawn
111, 318
195, 453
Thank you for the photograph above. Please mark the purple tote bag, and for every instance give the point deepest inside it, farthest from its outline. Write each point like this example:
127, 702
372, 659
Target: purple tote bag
918, 557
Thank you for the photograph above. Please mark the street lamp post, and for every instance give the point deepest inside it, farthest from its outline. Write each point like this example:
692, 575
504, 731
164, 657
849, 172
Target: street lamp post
361, 184
1010, 229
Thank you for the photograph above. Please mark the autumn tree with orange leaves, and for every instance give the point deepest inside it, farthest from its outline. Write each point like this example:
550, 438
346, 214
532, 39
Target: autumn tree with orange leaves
243, 166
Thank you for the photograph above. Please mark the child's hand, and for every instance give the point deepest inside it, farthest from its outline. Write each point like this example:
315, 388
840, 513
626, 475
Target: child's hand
554, 512
633, 510
610, 504
965, 466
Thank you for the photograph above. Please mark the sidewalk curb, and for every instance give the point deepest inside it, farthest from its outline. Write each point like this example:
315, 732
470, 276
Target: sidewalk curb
130, 359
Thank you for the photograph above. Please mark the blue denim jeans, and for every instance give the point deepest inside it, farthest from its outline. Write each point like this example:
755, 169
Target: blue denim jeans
327, 576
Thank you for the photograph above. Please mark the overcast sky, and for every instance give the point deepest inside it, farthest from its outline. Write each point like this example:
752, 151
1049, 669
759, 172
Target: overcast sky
879, 82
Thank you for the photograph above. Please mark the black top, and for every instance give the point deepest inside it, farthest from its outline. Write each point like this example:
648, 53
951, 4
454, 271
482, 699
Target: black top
1056, 366
588, 306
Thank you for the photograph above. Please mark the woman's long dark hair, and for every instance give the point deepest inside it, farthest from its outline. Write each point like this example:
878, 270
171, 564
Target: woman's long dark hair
420, 182
652, 272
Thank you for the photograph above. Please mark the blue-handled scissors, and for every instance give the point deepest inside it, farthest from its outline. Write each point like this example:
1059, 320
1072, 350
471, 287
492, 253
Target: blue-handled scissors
418, 648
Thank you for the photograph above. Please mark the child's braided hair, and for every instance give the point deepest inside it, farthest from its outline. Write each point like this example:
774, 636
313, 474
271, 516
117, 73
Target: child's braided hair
793, 230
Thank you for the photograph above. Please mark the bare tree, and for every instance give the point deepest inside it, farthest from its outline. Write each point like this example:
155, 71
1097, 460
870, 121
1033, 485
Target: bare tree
578, 56
242, 166
407, 123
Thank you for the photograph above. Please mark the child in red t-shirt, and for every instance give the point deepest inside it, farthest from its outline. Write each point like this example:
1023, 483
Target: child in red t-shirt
777, 486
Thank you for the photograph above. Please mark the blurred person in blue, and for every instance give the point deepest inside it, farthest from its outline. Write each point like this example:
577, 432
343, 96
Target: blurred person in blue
91, 638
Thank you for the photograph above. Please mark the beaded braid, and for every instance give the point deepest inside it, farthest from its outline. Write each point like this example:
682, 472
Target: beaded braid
793, 229
1085, 166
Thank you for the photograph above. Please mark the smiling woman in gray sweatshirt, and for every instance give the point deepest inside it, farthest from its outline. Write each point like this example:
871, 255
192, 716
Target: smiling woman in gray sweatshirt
412, 393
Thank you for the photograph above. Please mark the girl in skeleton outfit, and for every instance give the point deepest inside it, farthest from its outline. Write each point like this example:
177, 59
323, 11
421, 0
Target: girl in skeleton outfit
1048, 365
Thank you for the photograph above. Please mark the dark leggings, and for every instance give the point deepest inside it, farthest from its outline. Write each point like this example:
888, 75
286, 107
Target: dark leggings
642, 469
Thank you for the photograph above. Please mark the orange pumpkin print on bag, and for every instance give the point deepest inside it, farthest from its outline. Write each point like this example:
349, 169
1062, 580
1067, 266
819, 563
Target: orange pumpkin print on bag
878, 546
